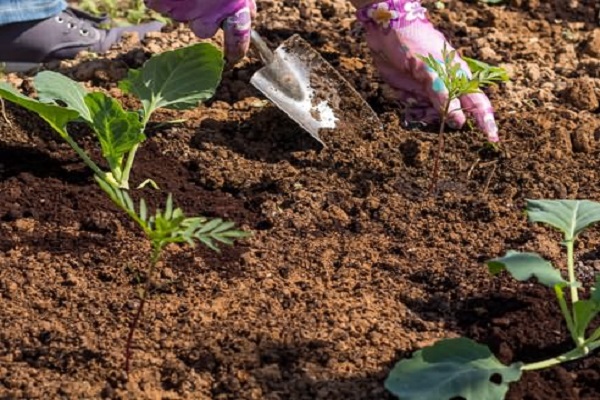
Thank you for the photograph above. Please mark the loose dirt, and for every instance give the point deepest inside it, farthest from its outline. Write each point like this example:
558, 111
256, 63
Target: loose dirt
351, 267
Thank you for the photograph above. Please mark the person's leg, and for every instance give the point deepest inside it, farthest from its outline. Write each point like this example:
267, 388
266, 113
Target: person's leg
29, 10
27, 42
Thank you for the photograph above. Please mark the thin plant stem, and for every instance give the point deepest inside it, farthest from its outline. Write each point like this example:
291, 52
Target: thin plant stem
564, 308
86, 159
579, 340
489, 179
440, 149
572, 355
138, 314
124, 182
571, 270
3, 111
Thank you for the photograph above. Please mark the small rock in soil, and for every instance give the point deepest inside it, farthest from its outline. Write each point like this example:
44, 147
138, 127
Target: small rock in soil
581, 94
592, 46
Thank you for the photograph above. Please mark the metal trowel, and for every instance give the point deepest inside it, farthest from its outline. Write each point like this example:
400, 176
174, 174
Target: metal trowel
298, 80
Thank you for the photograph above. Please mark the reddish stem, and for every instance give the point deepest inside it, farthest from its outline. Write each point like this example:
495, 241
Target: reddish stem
138, 314
132, 328
440, 149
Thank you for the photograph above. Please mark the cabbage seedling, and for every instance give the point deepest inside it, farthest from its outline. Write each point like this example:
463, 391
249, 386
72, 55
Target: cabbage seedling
178, 79
462, 368
458, 84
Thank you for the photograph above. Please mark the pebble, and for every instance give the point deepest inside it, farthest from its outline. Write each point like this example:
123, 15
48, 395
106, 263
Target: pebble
167, 273
592, 46
533, 72
581, 94
489, 55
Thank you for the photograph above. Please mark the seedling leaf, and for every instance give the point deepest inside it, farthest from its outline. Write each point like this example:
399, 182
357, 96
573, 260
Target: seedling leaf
143, 210
53, 87
524, 266
177, 79
58, 117
169, 207
486, 70
570, 217
171, 226
584, 312
117, 130
210, 226
452, 368
147, 182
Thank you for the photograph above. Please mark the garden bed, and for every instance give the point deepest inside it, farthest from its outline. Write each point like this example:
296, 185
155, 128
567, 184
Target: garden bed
351, 266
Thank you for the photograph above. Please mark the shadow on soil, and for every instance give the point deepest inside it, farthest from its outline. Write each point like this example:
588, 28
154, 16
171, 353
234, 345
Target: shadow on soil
267, 135
20, 160
283, 370
58, 359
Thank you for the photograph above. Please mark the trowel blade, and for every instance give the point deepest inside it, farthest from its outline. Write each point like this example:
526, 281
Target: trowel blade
309, 90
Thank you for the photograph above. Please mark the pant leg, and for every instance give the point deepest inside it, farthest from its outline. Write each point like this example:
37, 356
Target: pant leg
29, 10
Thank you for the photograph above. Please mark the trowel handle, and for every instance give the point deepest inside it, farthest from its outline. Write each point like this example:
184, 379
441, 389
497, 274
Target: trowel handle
265, 52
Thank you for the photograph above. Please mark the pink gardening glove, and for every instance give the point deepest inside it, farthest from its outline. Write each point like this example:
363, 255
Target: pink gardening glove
207, 16
397, 32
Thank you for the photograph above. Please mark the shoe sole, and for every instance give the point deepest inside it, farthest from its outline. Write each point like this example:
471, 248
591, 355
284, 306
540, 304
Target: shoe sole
8, 67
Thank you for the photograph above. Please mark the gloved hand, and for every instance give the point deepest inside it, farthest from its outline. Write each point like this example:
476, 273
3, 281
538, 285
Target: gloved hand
398, 31
205, 17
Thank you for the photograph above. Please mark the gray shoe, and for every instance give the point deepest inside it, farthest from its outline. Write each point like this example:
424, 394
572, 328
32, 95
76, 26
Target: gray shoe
26, 45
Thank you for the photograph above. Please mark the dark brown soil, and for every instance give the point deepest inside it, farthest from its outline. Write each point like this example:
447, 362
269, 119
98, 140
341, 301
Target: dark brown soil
351, 266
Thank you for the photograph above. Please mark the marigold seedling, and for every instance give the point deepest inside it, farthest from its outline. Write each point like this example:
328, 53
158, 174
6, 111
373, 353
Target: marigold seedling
457, 83
162, 228
462, 368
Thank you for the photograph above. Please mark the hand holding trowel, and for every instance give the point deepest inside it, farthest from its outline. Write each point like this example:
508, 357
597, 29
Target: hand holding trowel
295, 77
299, 81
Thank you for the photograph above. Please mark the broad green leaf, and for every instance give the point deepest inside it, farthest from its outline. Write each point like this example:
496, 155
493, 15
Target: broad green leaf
584, 313
134, 84
177, 79
568, 216
117, 130
53, 87
524, 266
57, 117
453, 368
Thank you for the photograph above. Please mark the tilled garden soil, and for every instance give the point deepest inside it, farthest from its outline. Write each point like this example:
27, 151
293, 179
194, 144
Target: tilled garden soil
351, 266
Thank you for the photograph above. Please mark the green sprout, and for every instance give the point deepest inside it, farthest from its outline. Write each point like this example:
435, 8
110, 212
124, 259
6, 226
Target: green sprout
462, 368
162, 228
458, 84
